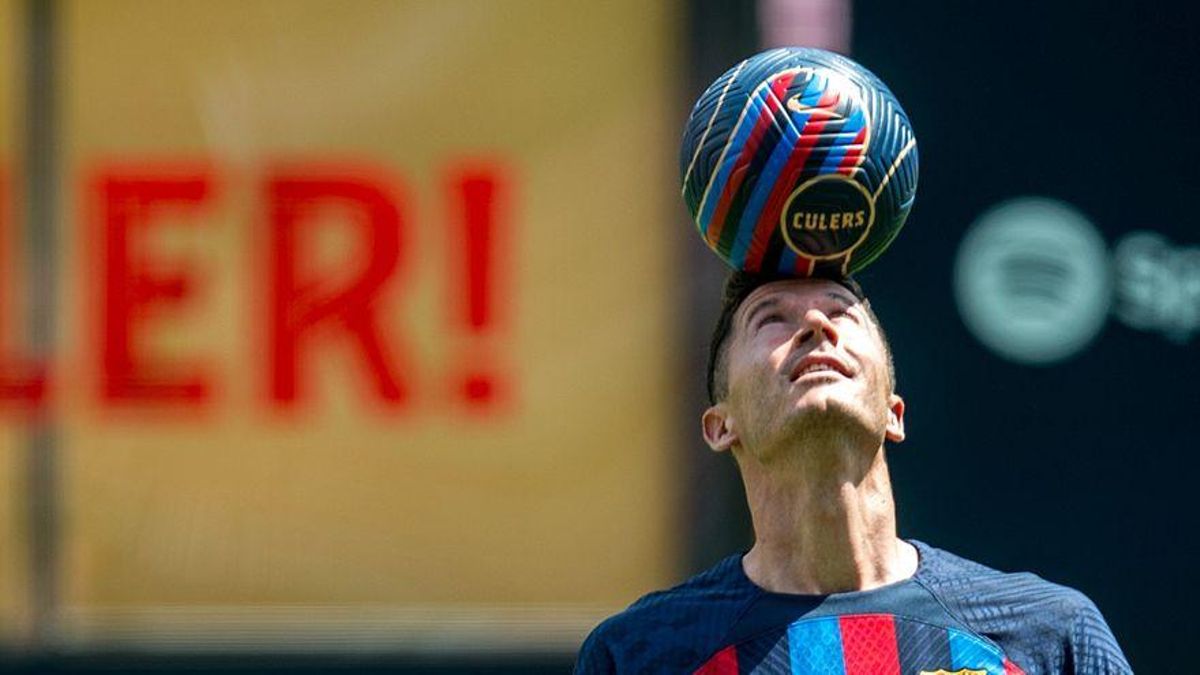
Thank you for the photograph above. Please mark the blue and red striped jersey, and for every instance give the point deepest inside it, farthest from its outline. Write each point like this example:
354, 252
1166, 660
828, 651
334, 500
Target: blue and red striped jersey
953, 617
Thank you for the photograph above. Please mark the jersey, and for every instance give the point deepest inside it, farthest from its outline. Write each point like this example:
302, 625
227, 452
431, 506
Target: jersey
952, 617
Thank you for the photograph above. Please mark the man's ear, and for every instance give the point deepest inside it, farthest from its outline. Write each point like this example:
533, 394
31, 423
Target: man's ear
895, 425
718, 428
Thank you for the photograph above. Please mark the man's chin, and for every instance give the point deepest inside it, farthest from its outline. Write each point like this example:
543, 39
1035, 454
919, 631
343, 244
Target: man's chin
824, 398
828, 418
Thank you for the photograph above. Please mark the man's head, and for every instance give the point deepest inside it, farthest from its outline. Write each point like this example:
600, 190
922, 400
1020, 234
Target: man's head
784, 348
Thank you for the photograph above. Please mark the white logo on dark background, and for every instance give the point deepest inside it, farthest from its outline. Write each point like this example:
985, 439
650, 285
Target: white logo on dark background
1035, 284
1033, 280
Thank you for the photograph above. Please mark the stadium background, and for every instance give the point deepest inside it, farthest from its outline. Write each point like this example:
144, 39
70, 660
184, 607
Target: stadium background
521, 457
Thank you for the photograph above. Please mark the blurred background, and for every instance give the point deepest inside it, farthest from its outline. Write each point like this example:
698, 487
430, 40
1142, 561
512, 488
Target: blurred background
370, 336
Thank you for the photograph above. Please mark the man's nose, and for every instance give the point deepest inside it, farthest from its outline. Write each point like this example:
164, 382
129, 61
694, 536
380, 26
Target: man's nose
816, 325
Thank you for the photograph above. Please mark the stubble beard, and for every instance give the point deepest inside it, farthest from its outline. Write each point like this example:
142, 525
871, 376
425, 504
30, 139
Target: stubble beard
815, 434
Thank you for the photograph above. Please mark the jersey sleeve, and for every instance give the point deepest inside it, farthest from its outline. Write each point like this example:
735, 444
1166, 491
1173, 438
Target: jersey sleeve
1092, 645
594, 657
669, 631
1044, 628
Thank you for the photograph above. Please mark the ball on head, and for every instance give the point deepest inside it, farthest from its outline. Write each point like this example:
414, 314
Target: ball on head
798, 162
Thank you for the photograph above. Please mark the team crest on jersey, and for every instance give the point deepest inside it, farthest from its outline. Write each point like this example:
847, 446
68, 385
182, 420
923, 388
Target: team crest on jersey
964, 671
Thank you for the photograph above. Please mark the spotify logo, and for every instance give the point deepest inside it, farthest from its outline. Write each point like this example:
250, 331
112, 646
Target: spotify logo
1033, 280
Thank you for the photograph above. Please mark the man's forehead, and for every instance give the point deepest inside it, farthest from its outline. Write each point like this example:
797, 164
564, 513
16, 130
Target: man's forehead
797, 288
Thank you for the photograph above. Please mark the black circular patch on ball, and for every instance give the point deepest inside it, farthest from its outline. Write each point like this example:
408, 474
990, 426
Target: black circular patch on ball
827, 217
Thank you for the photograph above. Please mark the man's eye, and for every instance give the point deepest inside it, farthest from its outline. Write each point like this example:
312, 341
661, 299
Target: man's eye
769, 318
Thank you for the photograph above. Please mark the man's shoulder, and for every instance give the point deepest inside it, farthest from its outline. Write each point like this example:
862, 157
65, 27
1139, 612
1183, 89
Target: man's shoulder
705, 593
1049, 626
951, 576
669, 627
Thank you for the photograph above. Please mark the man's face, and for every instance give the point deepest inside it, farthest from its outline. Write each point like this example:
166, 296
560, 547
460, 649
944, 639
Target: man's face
805, 361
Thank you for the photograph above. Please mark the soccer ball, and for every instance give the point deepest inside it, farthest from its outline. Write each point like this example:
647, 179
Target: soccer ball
798, 162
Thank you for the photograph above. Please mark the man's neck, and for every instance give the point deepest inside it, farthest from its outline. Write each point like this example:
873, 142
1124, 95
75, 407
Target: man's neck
824, 523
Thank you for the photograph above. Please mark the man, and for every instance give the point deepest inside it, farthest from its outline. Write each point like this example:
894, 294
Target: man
803, 395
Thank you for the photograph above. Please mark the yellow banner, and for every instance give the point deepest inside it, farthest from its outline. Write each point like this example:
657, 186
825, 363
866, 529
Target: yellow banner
364, 317
15, 598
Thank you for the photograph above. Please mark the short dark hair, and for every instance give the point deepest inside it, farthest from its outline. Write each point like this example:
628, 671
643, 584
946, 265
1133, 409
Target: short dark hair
738, 287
